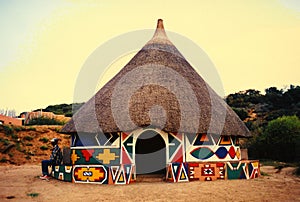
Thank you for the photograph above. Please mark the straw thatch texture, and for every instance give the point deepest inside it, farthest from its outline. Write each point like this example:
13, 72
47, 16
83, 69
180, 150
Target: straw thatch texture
158, 87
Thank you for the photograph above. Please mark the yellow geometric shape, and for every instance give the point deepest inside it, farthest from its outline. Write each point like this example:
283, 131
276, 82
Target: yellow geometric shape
255, 164
89, 174
74, 157
238, 153
106, 156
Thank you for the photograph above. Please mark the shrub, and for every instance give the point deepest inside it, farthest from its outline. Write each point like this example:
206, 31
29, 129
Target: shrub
8, 130
44, 147
3, 160
19, 128
45, 121
44, 139
29, 138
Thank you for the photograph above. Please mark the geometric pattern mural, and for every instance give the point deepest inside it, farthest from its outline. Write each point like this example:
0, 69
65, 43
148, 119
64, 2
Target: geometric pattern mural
175, 147
210, 171
237, 170
62, 172
90, 174
211, 147
206, 171
103, 156
189, 157
127, 148
177, 172
122, 174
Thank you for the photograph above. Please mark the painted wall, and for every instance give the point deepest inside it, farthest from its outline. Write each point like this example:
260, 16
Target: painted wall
210, 171
110, 158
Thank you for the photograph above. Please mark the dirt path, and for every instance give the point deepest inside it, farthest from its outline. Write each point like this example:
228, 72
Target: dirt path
18, 181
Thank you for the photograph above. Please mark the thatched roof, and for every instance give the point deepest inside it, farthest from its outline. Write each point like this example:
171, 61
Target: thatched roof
158, 87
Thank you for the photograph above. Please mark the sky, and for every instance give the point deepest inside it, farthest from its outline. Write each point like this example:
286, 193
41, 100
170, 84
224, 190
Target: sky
44, 44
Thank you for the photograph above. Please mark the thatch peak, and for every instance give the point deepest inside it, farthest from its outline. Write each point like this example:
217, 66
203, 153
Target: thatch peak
160, 24
160, 36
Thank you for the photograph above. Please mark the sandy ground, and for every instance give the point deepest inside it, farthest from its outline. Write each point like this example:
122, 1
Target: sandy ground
19, 181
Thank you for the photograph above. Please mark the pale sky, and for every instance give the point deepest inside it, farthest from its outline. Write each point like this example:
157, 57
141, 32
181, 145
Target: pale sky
43, 44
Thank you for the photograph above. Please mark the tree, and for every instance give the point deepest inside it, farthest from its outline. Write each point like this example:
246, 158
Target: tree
280, 140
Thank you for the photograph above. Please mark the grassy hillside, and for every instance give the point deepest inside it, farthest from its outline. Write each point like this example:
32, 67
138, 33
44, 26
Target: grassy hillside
20, 145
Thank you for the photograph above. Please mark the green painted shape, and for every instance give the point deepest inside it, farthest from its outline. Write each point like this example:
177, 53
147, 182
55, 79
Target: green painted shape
93, 159
202, 153
67, 176
236, 174
173, 148
129, 148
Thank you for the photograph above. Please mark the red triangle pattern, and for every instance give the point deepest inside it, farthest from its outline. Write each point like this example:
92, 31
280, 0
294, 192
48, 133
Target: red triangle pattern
179, 156
125, 157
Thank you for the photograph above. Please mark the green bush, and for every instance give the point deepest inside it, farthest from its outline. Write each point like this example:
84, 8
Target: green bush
8, 130
279, 141
45, 121
3, 160
44, 147
29, 138
19, 128
44, 139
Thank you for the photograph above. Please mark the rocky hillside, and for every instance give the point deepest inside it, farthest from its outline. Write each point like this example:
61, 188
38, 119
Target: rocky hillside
30, 144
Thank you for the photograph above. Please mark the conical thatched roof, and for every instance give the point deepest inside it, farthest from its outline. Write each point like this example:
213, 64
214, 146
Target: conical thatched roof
158, 87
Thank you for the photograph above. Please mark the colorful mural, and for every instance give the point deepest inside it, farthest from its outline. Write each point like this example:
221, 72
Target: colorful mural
177, 172
62, 172
90, 174
206, 171
99, 174
123, 174
211, 147
175, 147
189, 157
104, 156
210, 171
127, 148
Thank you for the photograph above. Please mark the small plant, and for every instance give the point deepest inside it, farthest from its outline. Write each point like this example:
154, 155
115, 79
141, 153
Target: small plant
10, 155
18, 147
27, 157
44, 139
264, 173
19, 128
57, 130
8, 130
33, 194
29, 138
14, 136
31, 128
3, 160
44, 147
6, 142
29, 144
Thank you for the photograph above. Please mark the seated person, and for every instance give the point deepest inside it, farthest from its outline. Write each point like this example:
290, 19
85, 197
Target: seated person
55, 159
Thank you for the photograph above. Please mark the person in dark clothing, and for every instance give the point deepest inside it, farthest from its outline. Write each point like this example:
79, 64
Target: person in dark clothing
55, 159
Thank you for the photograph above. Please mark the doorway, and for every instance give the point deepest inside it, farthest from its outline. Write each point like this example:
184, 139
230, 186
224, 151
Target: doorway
150, 154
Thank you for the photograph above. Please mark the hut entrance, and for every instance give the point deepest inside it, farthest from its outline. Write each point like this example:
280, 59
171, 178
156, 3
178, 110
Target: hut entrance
150, 154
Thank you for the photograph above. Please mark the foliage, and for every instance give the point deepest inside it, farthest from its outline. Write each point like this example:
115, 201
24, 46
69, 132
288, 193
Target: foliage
45, 121
33, 194
44, 147
3, 160
44, 139
279, 141
8, 130
29, 138
64, 109
242, 113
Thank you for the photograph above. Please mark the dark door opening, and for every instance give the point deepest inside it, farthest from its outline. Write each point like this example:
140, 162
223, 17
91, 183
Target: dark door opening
150, 153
